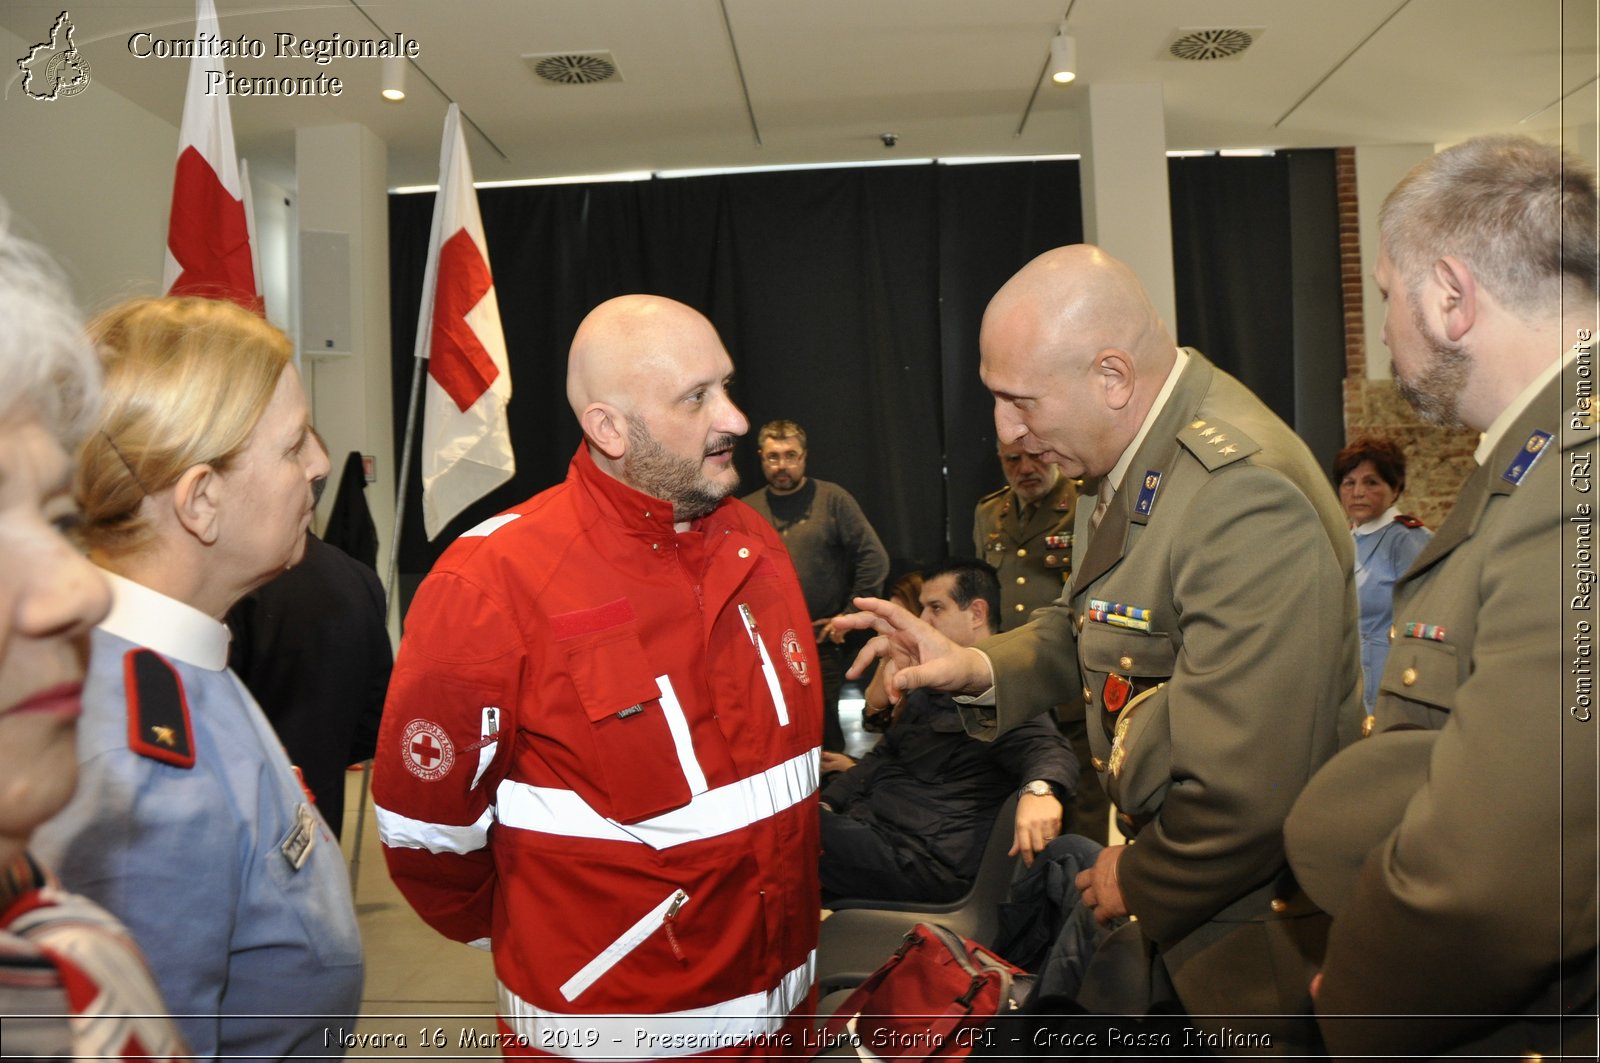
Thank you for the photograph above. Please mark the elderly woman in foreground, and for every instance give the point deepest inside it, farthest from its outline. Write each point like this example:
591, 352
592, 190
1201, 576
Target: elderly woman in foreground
196, 487
72, 982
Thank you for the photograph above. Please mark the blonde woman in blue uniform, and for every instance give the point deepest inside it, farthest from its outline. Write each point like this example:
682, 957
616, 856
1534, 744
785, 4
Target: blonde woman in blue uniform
189, 823
1370, 474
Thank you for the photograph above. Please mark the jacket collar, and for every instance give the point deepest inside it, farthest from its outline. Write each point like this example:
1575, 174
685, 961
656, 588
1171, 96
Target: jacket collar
1493, 476
166, 625
626, 507
1160, 447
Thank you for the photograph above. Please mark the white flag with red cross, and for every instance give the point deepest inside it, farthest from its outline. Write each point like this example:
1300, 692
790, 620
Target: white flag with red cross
466, 444
208, 236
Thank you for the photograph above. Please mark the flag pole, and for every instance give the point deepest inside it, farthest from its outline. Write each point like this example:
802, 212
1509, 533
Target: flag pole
401, 488
421, 351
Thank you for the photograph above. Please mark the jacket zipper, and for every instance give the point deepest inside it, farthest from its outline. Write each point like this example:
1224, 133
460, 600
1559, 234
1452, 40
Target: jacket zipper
487, 743
767, 670
663, 916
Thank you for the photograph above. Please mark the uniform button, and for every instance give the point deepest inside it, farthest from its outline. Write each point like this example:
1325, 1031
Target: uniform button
655, 546
1049, 559
1097, 764
647, 514
1279, 905
1081, 619
1021, 580
1022, 551
1021, 607
1408, 678
1088, 696
744, 551
1367, 725
1126, 662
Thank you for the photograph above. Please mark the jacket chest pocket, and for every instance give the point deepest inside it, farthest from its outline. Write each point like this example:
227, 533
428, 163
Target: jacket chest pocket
1119, 664
1424, 673
1124, 671
643, 759
769, 673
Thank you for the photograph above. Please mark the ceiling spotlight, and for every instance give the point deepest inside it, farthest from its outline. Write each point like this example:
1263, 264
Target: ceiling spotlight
394, 78
1063, 57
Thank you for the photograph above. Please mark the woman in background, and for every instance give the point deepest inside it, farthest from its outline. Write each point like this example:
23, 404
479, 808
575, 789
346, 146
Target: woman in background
1371, 474
73, 984
189, 824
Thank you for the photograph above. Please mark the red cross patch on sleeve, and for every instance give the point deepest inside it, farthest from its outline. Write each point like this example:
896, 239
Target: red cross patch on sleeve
426, 750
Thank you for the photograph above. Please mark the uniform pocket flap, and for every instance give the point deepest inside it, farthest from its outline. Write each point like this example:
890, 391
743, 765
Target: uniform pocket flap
605, 659
1106, 648
1422, 670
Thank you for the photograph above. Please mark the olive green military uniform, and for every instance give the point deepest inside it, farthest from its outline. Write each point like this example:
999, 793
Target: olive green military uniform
1480, 904
1212, 635
1030, 547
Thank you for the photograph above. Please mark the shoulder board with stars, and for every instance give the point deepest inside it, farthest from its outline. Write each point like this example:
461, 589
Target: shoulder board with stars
158, 712
1216, 443
1407, 520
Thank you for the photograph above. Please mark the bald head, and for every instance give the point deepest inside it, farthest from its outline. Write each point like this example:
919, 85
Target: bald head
1077, 301
648, 380
625, 345
1075, 355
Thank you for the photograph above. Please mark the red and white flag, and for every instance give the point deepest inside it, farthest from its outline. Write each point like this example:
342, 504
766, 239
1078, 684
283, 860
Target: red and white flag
208, 237
466, 444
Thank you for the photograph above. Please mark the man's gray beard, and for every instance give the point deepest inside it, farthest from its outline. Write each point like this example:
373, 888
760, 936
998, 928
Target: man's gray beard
1436, 394
649, 467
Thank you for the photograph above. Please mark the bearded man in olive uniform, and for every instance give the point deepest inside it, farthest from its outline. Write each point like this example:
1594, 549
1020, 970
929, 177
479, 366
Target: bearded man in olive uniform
1024, 532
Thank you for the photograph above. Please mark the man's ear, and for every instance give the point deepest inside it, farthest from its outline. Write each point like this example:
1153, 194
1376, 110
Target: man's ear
1113, 369
980, 614
1453, 296
196, 501
606, 427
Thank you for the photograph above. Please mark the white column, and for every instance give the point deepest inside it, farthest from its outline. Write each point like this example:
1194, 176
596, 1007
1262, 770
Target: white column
342, 172
1126, 207
1378, 169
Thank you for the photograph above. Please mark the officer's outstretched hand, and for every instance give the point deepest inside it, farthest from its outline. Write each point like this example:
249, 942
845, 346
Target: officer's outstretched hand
915, 654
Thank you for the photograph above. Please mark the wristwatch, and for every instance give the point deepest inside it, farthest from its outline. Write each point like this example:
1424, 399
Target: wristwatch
1038, 788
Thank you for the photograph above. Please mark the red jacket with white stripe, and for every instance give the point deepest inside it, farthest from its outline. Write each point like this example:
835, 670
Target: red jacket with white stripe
599, 752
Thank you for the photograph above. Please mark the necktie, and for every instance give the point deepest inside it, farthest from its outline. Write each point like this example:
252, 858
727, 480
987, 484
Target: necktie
1102, 504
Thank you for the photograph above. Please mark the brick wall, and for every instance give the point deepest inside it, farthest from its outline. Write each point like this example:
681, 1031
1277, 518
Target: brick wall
1438, 459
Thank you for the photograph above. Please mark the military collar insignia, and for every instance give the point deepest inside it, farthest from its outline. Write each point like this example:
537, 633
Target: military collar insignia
1147, 494
1525, 459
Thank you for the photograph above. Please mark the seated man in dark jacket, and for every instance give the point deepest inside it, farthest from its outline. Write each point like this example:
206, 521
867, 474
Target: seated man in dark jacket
910, 821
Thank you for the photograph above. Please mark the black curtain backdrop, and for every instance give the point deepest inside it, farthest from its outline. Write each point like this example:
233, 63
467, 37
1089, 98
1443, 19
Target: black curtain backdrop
850, 300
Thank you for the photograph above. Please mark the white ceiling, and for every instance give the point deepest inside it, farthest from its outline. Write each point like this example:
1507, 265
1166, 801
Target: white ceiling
827, 77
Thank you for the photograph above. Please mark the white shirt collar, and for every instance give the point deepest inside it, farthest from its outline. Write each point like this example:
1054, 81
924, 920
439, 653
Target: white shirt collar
165, 625
1377, 523
1120, 470
1525, 397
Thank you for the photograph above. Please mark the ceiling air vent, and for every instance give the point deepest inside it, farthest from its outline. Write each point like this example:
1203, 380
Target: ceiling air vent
575, 68
1202, 45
